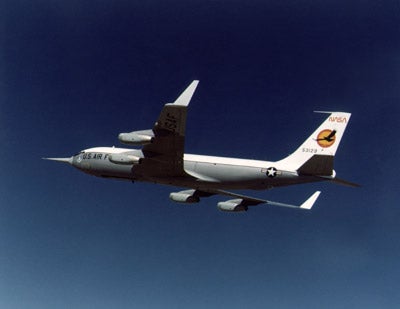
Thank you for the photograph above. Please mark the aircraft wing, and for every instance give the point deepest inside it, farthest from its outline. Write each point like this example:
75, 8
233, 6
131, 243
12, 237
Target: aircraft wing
240, 203
164, 155
243, 200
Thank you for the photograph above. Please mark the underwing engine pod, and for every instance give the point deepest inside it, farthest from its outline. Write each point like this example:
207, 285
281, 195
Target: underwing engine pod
232, 206
137, 138
187, 196
124, 159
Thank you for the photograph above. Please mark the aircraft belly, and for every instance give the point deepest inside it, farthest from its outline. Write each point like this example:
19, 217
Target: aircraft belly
224, 176
228, 173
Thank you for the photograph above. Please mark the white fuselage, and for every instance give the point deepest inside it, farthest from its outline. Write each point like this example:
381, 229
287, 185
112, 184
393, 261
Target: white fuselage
201, 171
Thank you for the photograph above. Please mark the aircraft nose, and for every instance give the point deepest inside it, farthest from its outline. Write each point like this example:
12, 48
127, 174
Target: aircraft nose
65, 160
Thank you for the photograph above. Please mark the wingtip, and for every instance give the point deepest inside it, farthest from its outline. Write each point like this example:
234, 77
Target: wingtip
309, 203
186, 95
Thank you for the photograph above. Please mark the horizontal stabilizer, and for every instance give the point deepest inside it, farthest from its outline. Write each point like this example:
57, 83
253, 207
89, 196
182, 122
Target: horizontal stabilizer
345, 183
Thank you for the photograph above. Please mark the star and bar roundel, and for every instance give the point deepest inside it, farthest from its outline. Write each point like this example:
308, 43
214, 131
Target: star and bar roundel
271, 172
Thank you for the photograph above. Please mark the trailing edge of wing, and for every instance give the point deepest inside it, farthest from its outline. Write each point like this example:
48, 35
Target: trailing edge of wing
251, 201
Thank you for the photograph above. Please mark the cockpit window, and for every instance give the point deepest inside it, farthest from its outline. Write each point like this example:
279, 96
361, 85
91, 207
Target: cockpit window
79, 153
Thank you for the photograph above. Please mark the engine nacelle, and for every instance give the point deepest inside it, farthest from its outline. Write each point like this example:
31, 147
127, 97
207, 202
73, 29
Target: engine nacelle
184, 197
137, 138
124, 159
232, 206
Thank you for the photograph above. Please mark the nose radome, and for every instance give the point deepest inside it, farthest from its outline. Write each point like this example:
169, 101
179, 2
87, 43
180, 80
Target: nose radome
64, 160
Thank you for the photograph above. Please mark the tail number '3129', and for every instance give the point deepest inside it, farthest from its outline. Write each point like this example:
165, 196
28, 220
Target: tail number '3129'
310, 150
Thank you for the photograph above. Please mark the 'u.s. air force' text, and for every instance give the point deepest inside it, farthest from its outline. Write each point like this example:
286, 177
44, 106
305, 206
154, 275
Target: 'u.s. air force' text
95, 156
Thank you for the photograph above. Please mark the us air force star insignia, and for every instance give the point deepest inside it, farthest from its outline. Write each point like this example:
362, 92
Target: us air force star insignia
271, 172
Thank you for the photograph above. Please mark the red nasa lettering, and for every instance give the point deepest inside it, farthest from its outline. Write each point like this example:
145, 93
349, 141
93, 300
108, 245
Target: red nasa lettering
338, 119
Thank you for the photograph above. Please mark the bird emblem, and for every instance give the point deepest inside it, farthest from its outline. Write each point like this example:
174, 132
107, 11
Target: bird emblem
326, 138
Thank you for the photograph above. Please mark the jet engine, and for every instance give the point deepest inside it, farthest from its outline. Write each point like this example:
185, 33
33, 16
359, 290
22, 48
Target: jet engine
124, 159
137, 138
184, 197
232, 206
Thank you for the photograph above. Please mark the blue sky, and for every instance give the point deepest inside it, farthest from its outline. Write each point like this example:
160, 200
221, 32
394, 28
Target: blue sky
75, 74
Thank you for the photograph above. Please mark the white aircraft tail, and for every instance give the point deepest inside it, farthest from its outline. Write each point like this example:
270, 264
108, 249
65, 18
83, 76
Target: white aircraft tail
315, 155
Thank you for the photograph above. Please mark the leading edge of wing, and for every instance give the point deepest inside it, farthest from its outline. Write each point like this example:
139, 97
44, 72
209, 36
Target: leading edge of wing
252, 201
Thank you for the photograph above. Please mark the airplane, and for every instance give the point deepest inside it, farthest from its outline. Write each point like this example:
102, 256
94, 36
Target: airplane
162, 160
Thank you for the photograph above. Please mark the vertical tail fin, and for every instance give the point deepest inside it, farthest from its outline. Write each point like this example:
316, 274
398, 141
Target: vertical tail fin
315, 155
